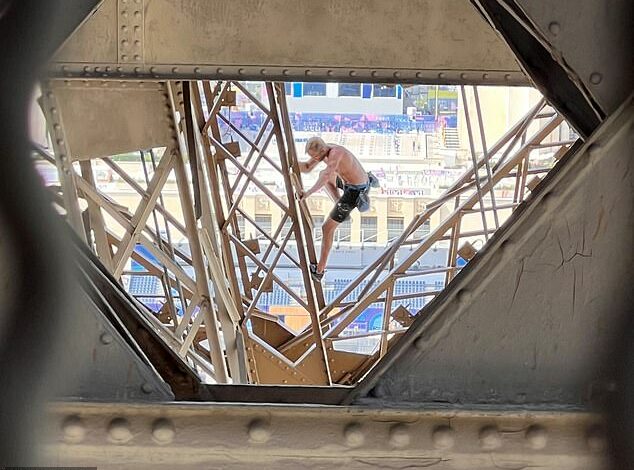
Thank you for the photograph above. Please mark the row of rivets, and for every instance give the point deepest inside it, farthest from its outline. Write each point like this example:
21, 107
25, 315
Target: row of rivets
128, 44
119, 432
130, 31
400, 434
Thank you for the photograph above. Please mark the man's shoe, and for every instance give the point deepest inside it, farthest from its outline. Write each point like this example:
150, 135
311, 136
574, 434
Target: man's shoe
314, 274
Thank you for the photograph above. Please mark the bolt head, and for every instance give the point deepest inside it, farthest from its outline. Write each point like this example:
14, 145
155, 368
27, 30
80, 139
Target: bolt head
259, 431
443, 437
399, 436
490, 438
73, 429
554, 28
163, 431
354, 435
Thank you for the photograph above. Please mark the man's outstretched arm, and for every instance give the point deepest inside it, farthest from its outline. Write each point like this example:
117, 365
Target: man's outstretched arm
307, 166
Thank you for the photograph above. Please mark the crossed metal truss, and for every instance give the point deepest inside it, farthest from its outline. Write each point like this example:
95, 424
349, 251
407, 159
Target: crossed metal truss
218, 282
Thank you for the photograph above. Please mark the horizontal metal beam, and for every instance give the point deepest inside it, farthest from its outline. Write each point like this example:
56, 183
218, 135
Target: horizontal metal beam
224, 436
302, 40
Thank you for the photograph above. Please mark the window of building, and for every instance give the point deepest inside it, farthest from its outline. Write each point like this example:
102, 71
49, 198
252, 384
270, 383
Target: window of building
264, 222
287, 88
384, 91
368, 229
318, 221
395, 227
286, 228
344, 231
314, 89
349, 89
423, 230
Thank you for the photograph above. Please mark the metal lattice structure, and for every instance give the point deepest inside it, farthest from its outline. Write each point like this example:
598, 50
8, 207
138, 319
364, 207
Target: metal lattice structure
211, 290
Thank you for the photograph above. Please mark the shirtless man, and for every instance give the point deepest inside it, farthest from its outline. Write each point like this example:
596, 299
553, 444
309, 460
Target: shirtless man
343, 171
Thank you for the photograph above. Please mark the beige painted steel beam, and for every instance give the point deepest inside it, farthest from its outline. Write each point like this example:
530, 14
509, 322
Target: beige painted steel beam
192, 436
289, 40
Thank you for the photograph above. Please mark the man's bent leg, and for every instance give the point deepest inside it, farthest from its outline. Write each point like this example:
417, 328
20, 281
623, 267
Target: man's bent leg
328, 231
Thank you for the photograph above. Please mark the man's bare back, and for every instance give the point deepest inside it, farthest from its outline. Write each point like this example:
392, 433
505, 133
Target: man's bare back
345, 165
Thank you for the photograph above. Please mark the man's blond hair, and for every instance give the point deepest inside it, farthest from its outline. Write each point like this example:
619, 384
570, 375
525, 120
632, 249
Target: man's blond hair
315, 143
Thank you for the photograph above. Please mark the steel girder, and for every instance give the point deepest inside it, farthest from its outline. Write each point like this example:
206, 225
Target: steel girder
533, 318
335, 40
241, 437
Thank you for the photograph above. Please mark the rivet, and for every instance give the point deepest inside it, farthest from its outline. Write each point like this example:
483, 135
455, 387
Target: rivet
441, 75
354, 435
536, 437
97, 69
507, 77
464, 296
152, 69
353, 73
137, 29
119, 69
124, 28
219, 71
119, 431
137, 14
137, 43
490, 438
396, 74
124, 57
285, 72
485, 76
554, 28
53, 110
419, 74
137, 69
60, 142
443, 437
147, 388
308, 72
595, 78
57, 127
64, 68
197, 70
263, 71
50, 95
399, 436
419, 343
163, 431
108, 69
595, 439
124, 13
259, 431
137, 1
125, 43
73, 429
137, 57
87, 68
463, 75
240, 71
374, 73
62, 156
330, 73
284, 381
